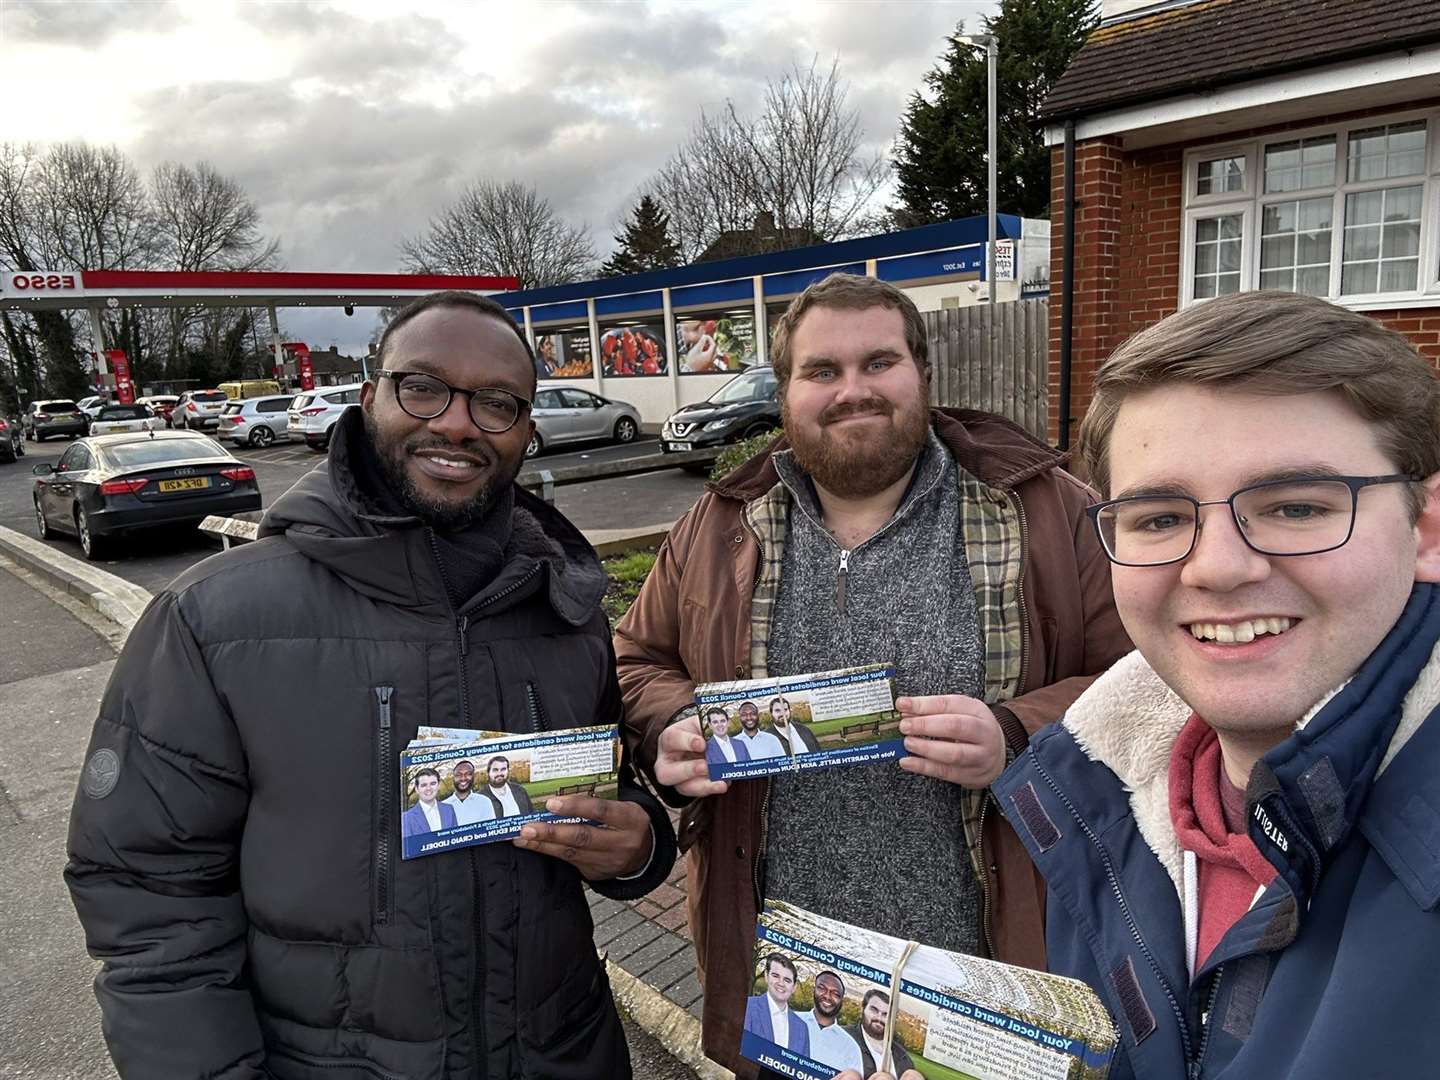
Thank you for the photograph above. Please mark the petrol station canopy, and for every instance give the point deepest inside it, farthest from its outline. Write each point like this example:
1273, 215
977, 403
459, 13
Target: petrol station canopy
49, 290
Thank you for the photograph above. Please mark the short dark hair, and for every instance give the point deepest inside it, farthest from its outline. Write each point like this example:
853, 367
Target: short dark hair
750, 705
454, 298
834, 975
497, 757
881, 994
432, 772
849, 292
463, 761
716, 709
784, 961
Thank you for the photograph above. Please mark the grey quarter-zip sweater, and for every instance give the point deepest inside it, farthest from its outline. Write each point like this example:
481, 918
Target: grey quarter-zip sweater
874, 845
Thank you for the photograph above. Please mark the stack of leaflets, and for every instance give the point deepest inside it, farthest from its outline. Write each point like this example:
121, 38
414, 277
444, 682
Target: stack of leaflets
759, 727
829, 996
459, 788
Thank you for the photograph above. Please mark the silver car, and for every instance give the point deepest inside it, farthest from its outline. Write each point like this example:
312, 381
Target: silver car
256, 421
313, 413
568, 414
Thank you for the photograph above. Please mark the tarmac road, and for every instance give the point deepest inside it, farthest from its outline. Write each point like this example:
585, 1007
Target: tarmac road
155, 559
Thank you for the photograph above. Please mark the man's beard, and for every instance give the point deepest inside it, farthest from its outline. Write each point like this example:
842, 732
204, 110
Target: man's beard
876, 1029
393, 456
854, 467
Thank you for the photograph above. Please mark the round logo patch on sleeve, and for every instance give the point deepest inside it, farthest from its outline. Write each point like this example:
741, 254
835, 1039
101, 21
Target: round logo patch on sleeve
102, 773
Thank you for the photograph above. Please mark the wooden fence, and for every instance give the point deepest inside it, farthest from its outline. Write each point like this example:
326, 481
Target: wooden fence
1011, 380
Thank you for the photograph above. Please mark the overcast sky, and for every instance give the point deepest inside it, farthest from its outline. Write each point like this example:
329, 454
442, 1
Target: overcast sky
351, 123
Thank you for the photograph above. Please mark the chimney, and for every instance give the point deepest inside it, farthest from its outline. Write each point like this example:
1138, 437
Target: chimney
764, 223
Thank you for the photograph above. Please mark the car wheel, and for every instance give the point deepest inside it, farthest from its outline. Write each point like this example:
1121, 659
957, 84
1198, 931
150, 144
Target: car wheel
626, 430
42, 528
262, 436
760, 428
535, 445
90, 544
321, 446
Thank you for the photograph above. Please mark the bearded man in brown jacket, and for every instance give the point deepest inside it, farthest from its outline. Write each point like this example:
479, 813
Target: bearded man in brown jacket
949, 543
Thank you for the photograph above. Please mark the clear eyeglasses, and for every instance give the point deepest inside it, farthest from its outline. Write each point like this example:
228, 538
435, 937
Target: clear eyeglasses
425, 397
1300, 516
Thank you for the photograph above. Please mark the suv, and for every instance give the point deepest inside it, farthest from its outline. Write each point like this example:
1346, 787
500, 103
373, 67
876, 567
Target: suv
91, 406
12, 445
163, 404
59, 416
313, 412
745, 406
198, 409
255, 421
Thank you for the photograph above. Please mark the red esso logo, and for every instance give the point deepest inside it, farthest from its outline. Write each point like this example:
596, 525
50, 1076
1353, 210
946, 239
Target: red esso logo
41, 282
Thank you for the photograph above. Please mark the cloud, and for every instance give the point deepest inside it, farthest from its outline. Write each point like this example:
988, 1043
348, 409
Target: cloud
82, 22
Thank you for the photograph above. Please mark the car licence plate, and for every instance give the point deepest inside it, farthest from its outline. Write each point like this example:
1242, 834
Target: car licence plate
185, 485
679, 447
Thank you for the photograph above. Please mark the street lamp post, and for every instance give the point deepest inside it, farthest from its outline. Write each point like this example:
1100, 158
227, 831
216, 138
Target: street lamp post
987, 41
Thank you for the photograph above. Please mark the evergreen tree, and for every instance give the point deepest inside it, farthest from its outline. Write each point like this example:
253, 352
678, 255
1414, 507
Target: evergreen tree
645, 244
940, 152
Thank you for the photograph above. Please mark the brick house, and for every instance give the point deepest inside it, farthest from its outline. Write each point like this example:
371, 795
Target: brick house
1221, 145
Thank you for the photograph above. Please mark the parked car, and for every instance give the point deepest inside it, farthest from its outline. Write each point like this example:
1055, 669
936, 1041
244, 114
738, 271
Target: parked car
313, 412
255, 421
91, 406
58, 416
12, 443
568, 414
163, 404
744, 407
109, 486
114, 419
250, 388
198, 409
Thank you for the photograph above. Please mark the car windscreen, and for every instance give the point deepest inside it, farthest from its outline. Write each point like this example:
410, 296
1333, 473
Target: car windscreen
140, 455
123, 412
751, 386
208, 395
58, 406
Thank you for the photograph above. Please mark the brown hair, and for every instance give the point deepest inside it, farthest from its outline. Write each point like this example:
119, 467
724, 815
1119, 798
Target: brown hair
1278, 343
849, 292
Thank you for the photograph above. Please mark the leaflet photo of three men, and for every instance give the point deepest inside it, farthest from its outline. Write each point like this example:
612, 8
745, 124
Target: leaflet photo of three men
498, 797
749, 738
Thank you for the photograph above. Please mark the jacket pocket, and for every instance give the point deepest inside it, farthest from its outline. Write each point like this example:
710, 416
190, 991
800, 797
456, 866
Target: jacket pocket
387, 799
293, 1065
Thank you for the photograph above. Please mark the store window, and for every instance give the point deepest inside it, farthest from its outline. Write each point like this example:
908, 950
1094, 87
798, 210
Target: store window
1349, 212
563, 353
713, 341
632, 350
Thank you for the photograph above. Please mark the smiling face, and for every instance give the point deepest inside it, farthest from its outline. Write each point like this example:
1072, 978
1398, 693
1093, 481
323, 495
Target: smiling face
499, 773
829, 996
446, 470
1331, 609
426, 787
854, 408
749, 718
780, 981
719, 722
464, 777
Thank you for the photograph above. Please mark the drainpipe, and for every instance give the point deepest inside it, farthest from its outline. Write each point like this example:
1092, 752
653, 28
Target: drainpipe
1067, 286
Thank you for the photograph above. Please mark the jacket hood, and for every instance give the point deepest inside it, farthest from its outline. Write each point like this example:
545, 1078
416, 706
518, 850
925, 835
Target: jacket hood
1128, 720
991, 448
330, 517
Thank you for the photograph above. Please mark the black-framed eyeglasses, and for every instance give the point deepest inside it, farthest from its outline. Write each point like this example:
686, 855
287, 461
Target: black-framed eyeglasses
425, 397
1304, 515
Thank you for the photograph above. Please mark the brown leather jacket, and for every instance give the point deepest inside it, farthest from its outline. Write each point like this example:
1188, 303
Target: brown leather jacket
1056, 628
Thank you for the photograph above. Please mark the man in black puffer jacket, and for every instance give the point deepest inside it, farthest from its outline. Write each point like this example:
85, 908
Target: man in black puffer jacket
234, 847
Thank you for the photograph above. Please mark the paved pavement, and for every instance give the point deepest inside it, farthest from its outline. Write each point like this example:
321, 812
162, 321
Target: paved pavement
56, 653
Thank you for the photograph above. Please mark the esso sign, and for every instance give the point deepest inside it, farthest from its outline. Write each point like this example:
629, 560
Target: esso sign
30, 282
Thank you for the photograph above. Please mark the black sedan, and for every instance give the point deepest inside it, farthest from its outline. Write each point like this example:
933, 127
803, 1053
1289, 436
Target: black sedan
745, 406
108, 485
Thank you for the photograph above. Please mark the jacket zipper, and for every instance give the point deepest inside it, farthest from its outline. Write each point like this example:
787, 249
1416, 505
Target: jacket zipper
538, 722
462, 624
1114, 881
386, 788
477, 997
1194, 1068
840, 577
985, 801
1020, 599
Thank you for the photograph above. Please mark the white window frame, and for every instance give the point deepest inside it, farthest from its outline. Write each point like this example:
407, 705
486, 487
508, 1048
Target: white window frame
1251, 202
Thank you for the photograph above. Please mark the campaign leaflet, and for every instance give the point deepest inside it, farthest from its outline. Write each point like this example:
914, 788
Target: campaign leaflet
847, 998
759, 727
503, 782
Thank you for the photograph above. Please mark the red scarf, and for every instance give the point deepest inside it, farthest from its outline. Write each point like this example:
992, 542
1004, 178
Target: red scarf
1230, 865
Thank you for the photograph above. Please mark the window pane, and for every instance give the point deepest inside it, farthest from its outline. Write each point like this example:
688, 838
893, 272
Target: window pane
1402, 204
1394, 150
1357, 278
1400, 241
1313, 280
1282, 166
1205, 258
1364, 208
1206, 229
1230, 227
1204, 287
1300, 163
1277, 279
1398, 275
1228, 284
1220, 175
1313, 247
1277, 251
1362, 243
1217, 255
1230, 256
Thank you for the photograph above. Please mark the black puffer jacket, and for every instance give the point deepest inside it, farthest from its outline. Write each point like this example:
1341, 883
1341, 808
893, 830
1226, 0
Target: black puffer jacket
234, 848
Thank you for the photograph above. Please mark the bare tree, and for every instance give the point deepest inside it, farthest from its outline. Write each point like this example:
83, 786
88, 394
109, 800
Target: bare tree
502, 229
94, 209
800, 160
